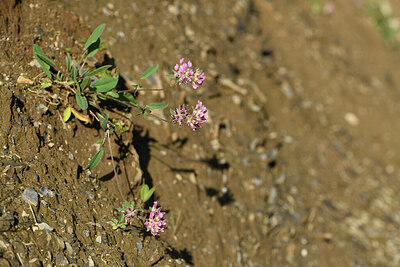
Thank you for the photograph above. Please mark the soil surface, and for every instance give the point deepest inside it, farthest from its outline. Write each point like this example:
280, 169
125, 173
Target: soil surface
298, 163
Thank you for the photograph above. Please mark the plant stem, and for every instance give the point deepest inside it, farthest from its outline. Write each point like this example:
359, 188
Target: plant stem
144, 89
66, 85
83, 64
113, 164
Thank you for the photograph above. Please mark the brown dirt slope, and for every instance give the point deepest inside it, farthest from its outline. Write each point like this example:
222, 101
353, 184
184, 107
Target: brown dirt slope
297, 165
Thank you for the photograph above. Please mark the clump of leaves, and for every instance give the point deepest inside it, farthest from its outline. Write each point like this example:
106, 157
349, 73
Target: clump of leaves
91, 86
386, 23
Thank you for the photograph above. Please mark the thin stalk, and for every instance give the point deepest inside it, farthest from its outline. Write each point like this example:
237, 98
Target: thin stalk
144, 89
83, 64
113, 164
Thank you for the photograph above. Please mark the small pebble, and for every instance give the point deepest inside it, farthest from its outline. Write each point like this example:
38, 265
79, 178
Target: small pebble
23, 80
91, 262
351, 119
30, 196
44, 192
139, 247
273, 194
45, 226
304, 252
236, 99
69, 249
41, 109
62, 260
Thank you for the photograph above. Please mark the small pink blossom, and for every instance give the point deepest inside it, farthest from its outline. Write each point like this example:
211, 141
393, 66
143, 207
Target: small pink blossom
155, 223
130, 214
199, 115
185, 74
179, 115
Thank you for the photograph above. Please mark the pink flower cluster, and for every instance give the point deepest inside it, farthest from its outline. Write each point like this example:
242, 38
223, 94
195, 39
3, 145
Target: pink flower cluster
130, 214
155, 223
181, 115
185, 74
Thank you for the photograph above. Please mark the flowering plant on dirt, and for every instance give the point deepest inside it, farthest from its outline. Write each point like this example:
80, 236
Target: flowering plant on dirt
88, 88
132, 211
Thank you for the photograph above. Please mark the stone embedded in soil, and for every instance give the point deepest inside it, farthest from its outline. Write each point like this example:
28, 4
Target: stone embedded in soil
351, 119
45, 226
69, 249
30, 196
41, 109
91, 262
139, 247
61, 259
3, 246
4, 262
273, 194
44, 192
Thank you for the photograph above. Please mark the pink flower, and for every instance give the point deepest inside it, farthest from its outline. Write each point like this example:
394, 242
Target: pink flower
130, 214
199, 115
185, 74
179, 115
155, 223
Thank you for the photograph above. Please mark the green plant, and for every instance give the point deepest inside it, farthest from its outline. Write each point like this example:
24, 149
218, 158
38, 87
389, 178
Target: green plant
85, 89
131, 211
385, 22
89, 87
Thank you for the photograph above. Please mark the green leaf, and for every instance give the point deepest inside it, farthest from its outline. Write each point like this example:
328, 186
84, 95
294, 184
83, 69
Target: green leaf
100, 141
95, 35
93, 48
113, 94
37, 49
149, 71
45, 85
104, 120
146, 193
149, 194
85, 83
171, 76
74, 72
105, 84
172, 111
127, 97
68, 62
45, 67
99, 70
41, 57
96, 159
126, 204
102, 97
81, 100
143, 191
67, 114
46, 60
157, 105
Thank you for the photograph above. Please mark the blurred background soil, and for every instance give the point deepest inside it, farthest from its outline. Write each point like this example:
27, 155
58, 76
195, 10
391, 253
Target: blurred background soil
298, 164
